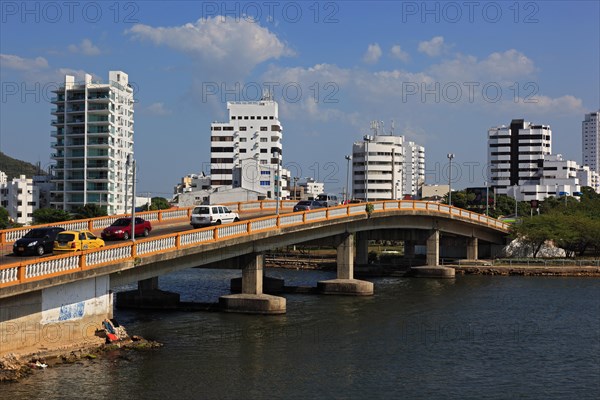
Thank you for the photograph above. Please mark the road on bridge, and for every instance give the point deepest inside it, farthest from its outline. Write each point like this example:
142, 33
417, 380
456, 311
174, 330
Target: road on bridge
158, 228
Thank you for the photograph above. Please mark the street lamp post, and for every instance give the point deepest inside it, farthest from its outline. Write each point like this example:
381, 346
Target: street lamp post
487, 199
450, 157
348, 158
133, 201
295, 182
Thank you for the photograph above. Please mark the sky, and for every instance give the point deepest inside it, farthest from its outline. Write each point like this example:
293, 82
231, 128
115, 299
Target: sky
443, 72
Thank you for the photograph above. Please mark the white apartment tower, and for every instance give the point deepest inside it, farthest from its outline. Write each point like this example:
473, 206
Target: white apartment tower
590, 141
386, 167
20, 198
253, 132
93, 124
516, 153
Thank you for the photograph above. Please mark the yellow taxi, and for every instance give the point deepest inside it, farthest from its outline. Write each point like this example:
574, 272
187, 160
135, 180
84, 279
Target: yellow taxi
76, 240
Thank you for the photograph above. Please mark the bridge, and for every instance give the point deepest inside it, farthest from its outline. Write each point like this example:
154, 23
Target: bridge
68, 295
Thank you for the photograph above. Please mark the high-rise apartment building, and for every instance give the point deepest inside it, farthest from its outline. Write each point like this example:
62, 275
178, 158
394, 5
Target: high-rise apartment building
590, 141
386, 167
20, 198
253, 132
515, 153
93, 134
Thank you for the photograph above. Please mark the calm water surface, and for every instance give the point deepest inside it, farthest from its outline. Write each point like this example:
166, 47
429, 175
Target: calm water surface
469, 338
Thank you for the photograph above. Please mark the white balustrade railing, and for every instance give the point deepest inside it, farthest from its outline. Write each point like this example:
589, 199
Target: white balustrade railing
108, 254
104, 222
196, 237
391, 205
249, 206
290, 219
420, 206
338, 212
406, 205
224, 231
9, 275
264, 224
313, 215
52, 266
154, 245
174, 214
357, 209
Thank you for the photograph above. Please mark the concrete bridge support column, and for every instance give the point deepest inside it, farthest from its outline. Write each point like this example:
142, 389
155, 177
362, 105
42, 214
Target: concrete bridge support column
148, 296
409, 249
252, 300
433, 269
345, 282
472, 244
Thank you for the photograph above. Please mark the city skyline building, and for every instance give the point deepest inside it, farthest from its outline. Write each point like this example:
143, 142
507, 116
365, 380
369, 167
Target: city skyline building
20, 197
386, 167
93, 151
590, 141
515, 153
253, 132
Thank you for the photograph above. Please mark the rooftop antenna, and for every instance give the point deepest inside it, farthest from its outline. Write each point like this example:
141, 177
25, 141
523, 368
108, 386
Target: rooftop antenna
392, 128
267, 95
375, 127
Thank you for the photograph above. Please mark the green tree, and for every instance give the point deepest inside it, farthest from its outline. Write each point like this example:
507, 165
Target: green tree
534, 232
90, 210
4, 218
157, 203
50, 215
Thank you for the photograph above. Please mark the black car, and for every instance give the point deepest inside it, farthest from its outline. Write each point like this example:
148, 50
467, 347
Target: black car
37, 241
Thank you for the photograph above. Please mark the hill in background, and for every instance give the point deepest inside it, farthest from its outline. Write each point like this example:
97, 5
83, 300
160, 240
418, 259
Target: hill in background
13, 168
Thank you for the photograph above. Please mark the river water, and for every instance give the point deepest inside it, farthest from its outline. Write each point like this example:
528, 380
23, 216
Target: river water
475, 337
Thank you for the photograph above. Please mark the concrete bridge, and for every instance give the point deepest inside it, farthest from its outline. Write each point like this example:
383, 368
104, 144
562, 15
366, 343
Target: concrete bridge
65, 298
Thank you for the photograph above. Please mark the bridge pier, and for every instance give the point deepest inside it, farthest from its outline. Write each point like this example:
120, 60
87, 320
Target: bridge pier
149, 296
472, 248
252, 300
433, 269
345, 282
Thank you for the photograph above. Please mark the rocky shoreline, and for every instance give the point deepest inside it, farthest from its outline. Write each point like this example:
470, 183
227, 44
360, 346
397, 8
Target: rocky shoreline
14, 367
512, 270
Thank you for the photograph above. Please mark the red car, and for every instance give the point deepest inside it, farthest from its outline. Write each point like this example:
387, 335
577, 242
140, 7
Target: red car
121, 229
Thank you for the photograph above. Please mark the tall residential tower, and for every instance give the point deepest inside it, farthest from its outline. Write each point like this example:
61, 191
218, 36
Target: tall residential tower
93, 124
590, 141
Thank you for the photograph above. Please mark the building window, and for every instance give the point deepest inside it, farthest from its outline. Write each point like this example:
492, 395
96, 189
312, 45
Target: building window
265, 172
242, 128
265, 183
243, 139
263, 150
242, 150
263, 128
263, 140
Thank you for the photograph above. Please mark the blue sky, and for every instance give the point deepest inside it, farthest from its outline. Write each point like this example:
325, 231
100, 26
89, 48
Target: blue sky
445, 72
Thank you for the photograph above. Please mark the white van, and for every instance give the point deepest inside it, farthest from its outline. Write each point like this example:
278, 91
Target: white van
328, 200
212, 215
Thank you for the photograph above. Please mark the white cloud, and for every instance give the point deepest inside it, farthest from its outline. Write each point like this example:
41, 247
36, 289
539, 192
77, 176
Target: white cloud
158, 109
504, 67
433, 47
397, 52
86, 48
12, 61
220, 46
372, 54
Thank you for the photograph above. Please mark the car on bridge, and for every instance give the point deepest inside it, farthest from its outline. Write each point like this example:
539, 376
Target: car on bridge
68, 241
212, 215
121, 229
38, 241
307, 205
